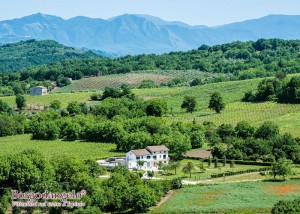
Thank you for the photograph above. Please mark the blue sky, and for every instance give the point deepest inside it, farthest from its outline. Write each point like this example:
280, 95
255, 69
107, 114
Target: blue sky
194, 12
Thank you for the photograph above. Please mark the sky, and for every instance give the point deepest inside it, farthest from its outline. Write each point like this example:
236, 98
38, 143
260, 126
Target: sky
193, 12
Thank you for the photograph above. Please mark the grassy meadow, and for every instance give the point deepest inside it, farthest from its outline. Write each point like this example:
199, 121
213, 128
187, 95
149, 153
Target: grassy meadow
196, 175
247, 197
56, 148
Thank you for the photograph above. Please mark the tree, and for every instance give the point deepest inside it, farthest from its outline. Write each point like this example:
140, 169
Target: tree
45, 130
201, 166
175, 166
244, 130
282, 167
225, 130
20, 101
150, 173
188, 168
4, 107
147, 84
290, 92
216, 162
143, 197
71, 130
74, 108
111, 92
62, 81
267, 130
189, 103
280, 75
55, 104
140, 163
197, 139
157, 107
209, 162
28, 170
179, 145
125, 89
216, 102
284, 207
176, 183
224, 160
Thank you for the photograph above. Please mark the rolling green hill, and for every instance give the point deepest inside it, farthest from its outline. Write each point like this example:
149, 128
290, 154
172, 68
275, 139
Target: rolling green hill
287, 116
31, 53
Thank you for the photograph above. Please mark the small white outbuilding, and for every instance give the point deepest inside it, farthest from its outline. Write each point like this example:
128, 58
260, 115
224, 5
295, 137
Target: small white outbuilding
38, 91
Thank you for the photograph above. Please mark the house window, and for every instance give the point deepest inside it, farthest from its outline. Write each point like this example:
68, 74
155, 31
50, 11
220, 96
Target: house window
137, 158
148, 157
160, 156
141, 157
165, 151
165, 156
154, 157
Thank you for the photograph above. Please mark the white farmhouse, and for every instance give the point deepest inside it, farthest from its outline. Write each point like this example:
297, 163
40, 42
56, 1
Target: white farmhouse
151, 156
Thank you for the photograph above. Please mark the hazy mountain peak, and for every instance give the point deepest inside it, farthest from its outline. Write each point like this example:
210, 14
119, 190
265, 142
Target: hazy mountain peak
41, 17
140, 33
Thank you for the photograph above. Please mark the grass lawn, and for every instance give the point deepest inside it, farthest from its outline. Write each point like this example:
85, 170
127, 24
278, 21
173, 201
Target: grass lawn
247, 197
202, 176
81, 150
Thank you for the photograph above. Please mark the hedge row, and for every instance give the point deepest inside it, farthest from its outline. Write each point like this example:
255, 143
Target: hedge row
239, 172
242, 162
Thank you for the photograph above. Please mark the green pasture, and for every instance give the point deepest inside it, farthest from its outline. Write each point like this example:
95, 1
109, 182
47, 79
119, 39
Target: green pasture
247, 197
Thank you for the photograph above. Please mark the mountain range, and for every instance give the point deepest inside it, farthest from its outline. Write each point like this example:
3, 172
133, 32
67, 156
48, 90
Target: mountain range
139, 34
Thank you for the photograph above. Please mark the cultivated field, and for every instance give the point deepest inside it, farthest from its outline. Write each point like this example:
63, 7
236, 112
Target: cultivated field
52, 149
134, 79
250, 197
97, 83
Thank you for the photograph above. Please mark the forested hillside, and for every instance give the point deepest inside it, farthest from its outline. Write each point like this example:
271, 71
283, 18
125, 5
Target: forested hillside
242, 60
32, 53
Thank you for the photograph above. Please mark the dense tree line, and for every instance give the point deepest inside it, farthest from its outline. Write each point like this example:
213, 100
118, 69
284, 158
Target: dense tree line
245, 142
244, 60
280, 90
127, 134
123, 191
